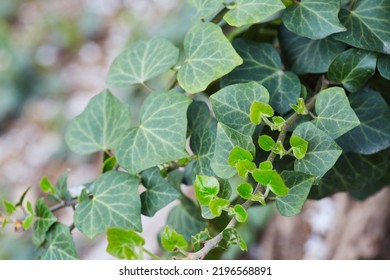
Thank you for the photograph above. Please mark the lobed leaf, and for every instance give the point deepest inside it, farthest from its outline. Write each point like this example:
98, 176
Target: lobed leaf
206, 188
271, 179
44, 220
122, 243
299, 146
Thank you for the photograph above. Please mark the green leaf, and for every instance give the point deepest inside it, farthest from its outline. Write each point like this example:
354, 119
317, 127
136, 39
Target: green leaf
299, 185
368, 25
240, 213
122, 243
152, 143
334, 113
9, 206
314, 19
226, 140
23, 196
237, 154
171, 240
279, 149
186, 219
303, 55
231, 105
232, 237
142, 61
206, 188
61, 187
200, 238
373, 133
353, 173
245, 166
217, 205
28, 221
353, 68
266, 142
384, 66
209, 56
299, 146
278, 123
59, 244
46, 185
198, 115
100, 126
300, 107
253, 11
262, 64
322, 151
266, 165
271, 179
206, 8
115, 203
109, 164
158, 194
44, 220
258, 110
245, 190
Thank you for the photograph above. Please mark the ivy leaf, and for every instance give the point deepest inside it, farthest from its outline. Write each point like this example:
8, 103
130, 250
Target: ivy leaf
9, 206
237, 154
227, 139
100, 126
217, 205
142, 61
59, 244
115, 203
353, 68
171, 240
61, 188
198, 115
109, 164
209, 56
232, 237
28, 221
314, 19
152, 144
299, 146
322, 151
225, 192
158, 194
334, 113
303, 55
262, 64
122, 243
258, 110
266, 142
206, 8
299, 185
240, 213
271, 179
199, 238
44, 220
231, 105
185, 218
206, 188
46, 185
368, 25
245, 190
373, 133
252, 11
245, 166
384, 66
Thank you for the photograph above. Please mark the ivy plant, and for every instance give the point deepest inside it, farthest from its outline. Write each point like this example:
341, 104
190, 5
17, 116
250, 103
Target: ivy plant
272, 103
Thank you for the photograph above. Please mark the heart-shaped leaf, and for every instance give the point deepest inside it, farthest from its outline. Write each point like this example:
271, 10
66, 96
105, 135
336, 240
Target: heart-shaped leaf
245, 190
259, 110
206, 8
217, 205
122, 243
44, 220
266, 142
240, 213
299, 146
237, 154
172, 240
271, 179
206, 188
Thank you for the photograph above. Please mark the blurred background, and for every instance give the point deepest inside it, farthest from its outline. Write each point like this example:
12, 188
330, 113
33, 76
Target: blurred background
54, 57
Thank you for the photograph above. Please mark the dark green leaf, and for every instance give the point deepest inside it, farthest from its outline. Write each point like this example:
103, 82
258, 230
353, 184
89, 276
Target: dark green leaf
44, 220
115, 203
240, 213
61, 187
158, 194
262, 64
384, 66
353, 68
109, 164
232, 237
271, 179
209, 56
152, 143
217, 205
171, 240
100, 126
21, 200
122, 243
198, 115
373, 133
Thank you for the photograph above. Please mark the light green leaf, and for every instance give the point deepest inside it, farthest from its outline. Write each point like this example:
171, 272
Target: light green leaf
303, 55
314, 19
100, 126
59, 244
200, 238
198, 115
266, 165
46, 185
206, 8
237, 154
368, 25
322, 152
44, 220
226, 140
240, 213
232, 237
334, 114
115, 203
245, 190
258, 110
299, 146
244, 167
206, 188
266, 142
152, 143
186, 219
122, 243
209, 56
158, 194
9, 206
232, 103
217, 205
253, 11
373, 133
28, 221
278, 123
271, 179
262, 64
171, 240
384, 66
353, 68
299, 185
142, 61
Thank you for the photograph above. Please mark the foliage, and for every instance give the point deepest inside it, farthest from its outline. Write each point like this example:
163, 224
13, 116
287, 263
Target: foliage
239, 99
